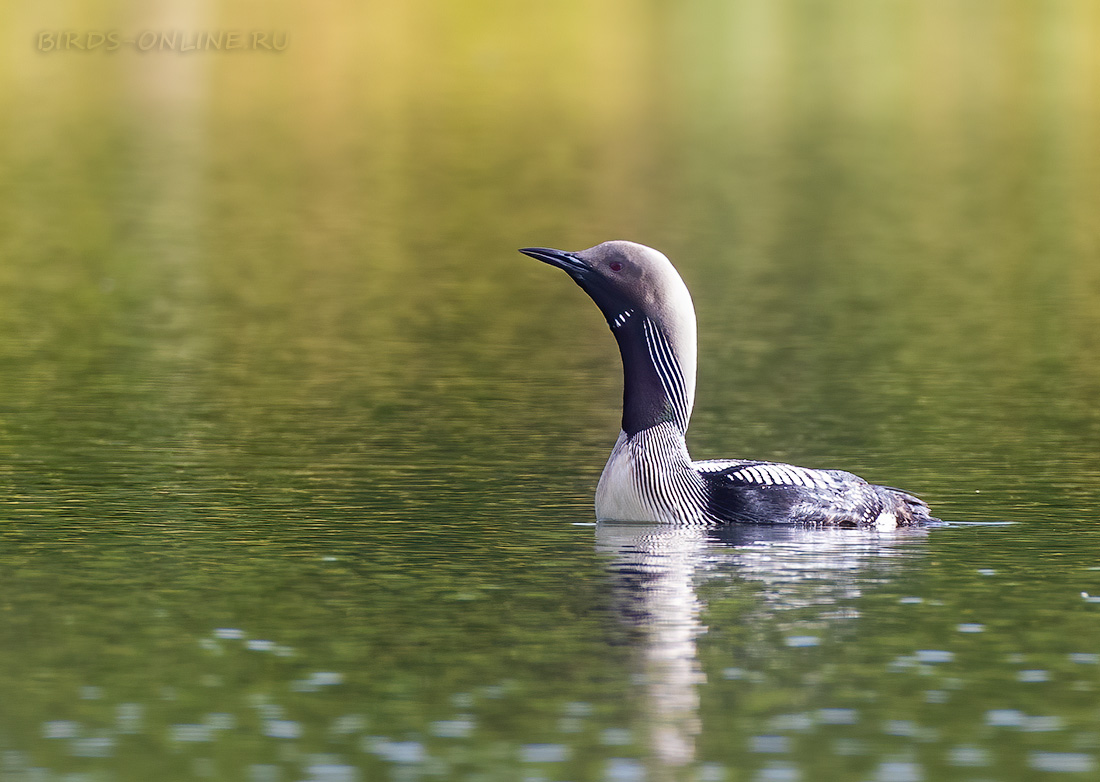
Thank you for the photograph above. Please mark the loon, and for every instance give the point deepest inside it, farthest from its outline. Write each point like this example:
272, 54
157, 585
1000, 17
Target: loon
650, 477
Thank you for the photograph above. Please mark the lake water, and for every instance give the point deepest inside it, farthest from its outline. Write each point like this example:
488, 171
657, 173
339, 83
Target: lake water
297, 453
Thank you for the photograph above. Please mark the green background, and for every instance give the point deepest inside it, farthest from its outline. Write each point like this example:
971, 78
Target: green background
297, 453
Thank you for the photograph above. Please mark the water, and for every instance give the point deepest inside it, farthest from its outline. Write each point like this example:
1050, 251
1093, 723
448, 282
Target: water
297, 453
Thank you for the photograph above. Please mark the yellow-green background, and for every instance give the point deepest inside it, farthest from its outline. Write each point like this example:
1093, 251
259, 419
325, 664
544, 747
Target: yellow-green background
269, 362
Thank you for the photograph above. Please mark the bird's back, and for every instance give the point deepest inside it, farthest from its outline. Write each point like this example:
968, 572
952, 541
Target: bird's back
757, 492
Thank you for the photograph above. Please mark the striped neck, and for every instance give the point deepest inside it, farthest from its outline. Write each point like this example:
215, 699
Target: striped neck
658, 371
650, 477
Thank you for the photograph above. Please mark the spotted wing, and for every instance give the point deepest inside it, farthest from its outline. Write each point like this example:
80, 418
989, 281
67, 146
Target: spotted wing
769, 492
774, 474
756, 473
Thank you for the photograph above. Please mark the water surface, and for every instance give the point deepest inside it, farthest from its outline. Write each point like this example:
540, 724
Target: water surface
297, 453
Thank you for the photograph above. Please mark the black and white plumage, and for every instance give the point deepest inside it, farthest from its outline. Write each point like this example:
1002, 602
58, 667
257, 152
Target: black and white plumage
649, 475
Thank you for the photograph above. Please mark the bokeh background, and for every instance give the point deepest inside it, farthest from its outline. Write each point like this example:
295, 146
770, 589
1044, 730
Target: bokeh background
296, 450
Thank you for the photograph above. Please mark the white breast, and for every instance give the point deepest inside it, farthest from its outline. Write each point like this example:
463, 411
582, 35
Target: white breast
649, 477
617, 496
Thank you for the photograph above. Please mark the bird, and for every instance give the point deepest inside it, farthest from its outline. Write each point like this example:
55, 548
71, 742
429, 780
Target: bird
650, 476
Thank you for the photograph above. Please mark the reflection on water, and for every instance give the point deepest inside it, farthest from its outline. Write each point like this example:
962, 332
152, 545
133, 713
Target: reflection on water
653, 571
747, 653
656, 571
798, 654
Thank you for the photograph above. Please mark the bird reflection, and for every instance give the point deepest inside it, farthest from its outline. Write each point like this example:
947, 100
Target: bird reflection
656, 571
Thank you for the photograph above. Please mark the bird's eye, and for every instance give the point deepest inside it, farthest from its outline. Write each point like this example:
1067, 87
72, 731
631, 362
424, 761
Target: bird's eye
616, 266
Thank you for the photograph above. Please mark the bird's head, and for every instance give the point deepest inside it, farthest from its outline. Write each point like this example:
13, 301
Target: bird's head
628, 280
650, 312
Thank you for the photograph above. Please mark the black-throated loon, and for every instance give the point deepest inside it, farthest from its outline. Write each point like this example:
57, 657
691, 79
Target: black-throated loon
649, 475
